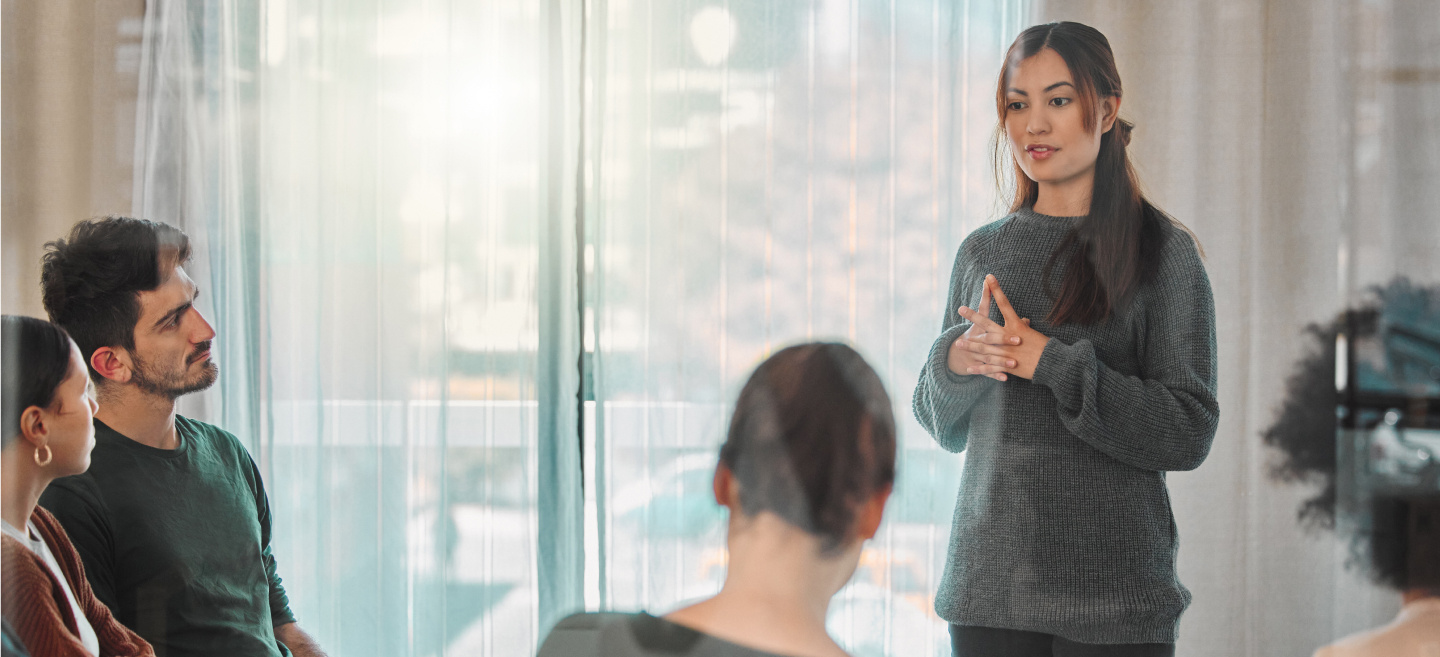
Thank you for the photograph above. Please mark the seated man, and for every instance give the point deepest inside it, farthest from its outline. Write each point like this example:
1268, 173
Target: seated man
171, 520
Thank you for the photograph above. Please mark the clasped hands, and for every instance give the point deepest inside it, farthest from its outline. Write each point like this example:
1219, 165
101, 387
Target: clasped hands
992, 349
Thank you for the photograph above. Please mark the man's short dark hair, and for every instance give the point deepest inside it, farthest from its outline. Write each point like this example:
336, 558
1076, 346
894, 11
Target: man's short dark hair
91, 280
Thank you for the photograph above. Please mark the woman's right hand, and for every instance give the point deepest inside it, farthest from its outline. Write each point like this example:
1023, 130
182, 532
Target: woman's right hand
961, 358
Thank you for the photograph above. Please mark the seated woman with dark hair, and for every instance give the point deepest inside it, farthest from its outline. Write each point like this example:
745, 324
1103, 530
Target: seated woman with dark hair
48, 433
1401, 551
805, 472
1398, 541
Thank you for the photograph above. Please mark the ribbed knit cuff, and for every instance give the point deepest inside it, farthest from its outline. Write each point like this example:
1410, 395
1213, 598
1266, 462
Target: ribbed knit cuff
1051, 363
1059, 366
940, 356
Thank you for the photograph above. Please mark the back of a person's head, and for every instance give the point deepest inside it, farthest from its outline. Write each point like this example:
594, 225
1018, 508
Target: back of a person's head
1392, 536
36, 359
90, 281
811, 439
1400, 546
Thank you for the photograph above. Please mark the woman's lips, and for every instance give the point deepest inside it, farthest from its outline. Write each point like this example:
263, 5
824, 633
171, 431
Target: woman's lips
1040, 151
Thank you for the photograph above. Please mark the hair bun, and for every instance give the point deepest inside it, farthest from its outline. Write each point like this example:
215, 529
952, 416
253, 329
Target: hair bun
1124, 128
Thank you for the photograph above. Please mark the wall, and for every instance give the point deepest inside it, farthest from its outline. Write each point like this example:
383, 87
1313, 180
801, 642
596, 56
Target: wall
67, 97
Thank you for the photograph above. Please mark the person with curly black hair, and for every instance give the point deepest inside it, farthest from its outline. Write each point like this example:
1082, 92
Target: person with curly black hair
1398, 544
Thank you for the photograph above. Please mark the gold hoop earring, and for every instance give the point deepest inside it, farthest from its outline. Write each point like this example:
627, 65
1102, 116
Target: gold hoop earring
48, 456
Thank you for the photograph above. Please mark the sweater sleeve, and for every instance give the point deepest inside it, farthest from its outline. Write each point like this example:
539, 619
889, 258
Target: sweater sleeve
31, 605
280, 613
943, 399
116, 640
75, 503
1165, 418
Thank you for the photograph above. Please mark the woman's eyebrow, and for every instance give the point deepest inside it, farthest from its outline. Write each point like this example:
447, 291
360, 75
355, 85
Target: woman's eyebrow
1050, 88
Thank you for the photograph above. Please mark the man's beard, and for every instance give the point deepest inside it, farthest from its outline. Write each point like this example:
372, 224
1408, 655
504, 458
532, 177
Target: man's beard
172, 384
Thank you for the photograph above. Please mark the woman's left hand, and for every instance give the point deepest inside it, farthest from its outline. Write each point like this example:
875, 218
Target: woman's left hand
1025, 355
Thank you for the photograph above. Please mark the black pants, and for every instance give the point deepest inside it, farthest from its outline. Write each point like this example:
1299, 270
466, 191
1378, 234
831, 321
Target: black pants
971, 641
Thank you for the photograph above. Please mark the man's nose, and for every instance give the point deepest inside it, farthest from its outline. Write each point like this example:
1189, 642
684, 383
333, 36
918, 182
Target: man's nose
203, 332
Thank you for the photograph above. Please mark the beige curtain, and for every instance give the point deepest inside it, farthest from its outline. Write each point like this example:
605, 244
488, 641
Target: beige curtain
1296, 138
69, 91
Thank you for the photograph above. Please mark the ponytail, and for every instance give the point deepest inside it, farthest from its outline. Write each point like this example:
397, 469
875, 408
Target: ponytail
1114, 248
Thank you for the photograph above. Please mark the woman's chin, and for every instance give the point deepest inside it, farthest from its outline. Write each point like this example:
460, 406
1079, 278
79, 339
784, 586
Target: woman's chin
81, 467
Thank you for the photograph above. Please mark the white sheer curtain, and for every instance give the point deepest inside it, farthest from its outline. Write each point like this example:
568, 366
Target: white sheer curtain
772, 172
377, 193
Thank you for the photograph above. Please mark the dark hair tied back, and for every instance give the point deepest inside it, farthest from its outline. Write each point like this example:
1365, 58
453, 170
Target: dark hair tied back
811, 439
36, 357
1123, 128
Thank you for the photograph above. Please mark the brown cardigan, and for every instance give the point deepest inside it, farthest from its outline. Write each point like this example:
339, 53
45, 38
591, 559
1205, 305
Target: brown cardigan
35, 603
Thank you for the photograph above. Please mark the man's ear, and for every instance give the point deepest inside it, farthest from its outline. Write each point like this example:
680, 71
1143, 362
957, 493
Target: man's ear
32, 427
112, 363
872, 512
1109, 111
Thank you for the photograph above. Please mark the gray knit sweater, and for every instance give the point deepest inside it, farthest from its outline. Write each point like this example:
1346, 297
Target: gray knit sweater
1063, 522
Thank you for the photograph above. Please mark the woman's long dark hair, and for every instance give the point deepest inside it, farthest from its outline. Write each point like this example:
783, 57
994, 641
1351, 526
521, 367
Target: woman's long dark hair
36, 360
1116, 246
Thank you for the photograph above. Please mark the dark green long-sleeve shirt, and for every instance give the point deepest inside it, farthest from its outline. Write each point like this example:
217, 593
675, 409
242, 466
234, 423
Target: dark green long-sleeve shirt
177, 542
1063, 522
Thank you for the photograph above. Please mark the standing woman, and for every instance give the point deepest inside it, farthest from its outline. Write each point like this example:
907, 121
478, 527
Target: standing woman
48, 433
1063, 540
